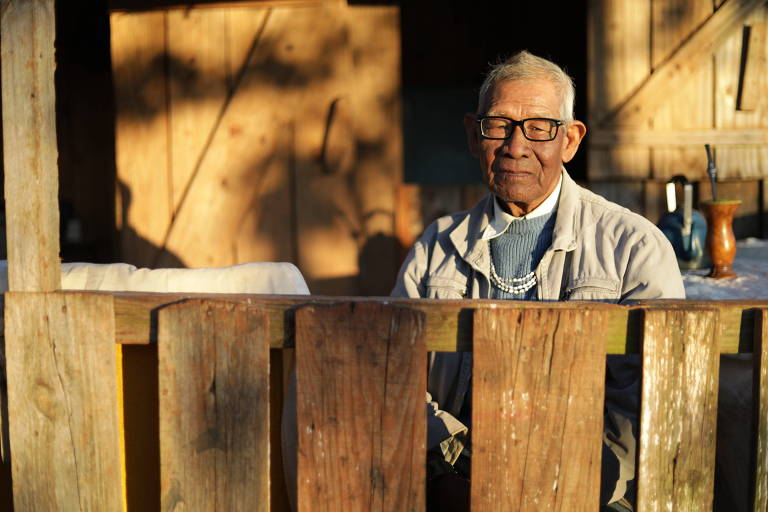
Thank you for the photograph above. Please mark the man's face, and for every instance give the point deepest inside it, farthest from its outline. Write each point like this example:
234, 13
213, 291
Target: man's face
520, 172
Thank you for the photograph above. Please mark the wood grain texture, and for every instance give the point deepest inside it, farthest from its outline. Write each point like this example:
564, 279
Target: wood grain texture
214, 407
28, 32
539, 380
680, 67
751, 160
678, 410
689, 106
63, 403
378, 151
620, 59
761, 396
361, 376
144, 195
755, 67
448, 322
237, 206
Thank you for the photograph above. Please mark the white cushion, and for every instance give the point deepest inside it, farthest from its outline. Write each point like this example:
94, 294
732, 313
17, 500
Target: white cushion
261, 277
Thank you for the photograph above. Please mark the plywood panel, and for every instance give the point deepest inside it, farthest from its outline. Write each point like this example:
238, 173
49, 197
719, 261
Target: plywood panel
375, 43
690, 106
198, 80
620, 59
241, 205
537, 409
141, 133
29, 137
214, 406
678, 410
361, 376
62, 398
746, 162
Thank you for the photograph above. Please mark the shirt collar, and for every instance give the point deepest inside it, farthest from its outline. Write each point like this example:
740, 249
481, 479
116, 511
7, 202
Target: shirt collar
502, 219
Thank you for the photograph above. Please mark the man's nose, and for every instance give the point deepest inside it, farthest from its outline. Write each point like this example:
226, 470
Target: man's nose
516, 145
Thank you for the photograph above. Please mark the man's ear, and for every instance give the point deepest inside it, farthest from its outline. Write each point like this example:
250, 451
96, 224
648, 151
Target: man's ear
473, 137
573, 135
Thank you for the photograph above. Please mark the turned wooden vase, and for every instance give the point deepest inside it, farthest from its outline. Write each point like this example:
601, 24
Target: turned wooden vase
721, 243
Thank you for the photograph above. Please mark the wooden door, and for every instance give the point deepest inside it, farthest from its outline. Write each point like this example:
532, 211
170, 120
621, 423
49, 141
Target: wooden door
260, 134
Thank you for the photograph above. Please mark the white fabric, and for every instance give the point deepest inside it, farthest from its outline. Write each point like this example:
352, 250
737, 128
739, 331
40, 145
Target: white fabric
262, 277
501, 219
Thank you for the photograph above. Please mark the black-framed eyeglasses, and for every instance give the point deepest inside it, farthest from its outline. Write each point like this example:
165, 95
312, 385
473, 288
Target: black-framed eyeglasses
539, 129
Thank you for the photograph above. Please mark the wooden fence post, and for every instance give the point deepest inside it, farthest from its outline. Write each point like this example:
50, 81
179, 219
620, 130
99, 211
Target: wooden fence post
681, 361
214, 407
361, 379
63, 404
28, 31
539, 379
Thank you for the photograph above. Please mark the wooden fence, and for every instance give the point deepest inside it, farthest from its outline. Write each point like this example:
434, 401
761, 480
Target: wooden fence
182, 412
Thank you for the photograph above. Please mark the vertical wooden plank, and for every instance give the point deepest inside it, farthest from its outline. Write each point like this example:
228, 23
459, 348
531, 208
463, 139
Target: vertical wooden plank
679, 410
738, 162
138, 44
761, 399
198, 79
619, 42
213, 361
238, 206
63, 404
755, 66
375, 44
28, 32
539, 380
361, 377
690, 107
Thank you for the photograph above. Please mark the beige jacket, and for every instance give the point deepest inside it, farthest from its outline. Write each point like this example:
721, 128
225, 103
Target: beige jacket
600, 251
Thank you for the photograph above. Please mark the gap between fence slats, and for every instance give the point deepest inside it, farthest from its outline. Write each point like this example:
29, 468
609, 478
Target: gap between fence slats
214, 406
361, 376
678, 410
537, 417
761, 401
62, 393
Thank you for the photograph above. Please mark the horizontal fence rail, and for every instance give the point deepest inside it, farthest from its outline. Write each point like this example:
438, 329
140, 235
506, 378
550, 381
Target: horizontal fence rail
185, 394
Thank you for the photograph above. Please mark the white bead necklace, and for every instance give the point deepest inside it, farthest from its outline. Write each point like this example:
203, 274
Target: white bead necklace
512, 285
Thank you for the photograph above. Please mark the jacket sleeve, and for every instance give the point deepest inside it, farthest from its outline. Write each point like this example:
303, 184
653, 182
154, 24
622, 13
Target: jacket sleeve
652, 271
444, 431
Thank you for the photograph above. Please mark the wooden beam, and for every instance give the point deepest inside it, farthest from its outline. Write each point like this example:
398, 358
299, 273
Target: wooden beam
728, 137
752, 83
150, 5
682, 64
449, 322
27, 35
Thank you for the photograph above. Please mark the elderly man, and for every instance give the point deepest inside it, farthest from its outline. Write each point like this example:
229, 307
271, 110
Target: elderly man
536, 236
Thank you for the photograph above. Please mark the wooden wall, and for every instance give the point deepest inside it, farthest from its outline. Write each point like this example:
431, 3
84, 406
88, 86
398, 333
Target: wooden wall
666, 77
260, 134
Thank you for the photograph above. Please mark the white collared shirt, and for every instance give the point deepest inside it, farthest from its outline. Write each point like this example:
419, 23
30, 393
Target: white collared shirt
502, 219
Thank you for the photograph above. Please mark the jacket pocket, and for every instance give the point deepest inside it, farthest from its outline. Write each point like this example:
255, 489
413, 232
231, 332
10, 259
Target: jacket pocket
593, 288
439, 287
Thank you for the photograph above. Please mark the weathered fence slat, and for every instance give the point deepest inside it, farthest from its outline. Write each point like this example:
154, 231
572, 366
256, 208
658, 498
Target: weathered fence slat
761, 395
28, 31
537, 409
679, 410
214, 406
63, 405
361, 376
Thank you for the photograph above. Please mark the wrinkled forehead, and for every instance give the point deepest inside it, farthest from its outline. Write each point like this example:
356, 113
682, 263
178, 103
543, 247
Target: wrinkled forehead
537, 95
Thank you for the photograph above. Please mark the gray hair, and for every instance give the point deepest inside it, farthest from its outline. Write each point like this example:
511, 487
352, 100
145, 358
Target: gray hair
526, 66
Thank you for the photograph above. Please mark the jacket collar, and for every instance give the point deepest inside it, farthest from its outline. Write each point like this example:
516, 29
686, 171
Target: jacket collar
466, 235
